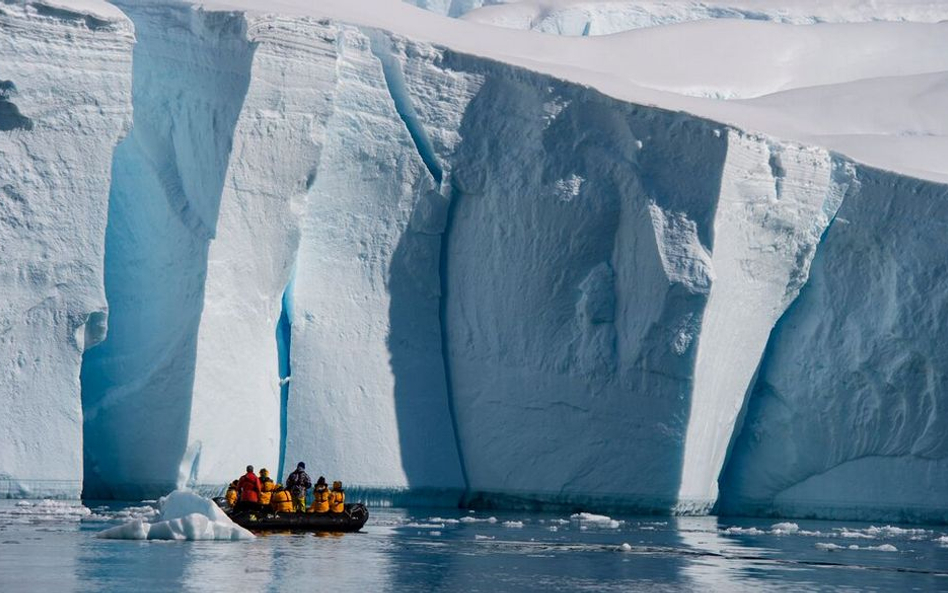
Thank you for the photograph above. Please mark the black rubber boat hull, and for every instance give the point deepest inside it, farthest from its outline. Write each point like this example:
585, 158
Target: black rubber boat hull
352, 519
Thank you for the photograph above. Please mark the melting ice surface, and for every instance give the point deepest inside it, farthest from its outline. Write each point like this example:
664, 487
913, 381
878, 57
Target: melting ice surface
183, 516
53, 545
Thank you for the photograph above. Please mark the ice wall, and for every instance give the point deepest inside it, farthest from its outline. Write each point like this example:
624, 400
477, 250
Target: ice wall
479, 279
368, 400
847, 417
277, 142
191, 71
58, 127
774, 205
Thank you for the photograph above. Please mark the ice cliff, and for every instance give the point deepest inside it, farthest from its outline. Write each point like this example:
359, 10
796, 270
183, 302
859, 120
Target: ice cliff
423, 270
59, 125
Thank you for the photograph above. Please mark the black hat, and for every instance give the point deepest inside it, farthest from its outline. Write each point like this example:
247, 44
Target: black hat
321, 481
300, 465
249, 468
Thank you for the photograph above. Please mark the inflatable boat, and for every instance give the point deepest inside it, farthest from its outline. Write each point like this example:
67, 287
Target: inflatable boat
351, 519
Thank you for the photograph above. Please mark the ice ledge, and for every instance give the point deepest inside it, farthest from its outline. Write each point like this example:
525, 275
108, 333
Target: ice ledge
95, 15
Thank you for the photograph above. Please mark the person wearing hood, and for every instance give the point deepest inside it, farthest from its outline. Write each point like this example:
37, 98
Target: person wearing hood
337, 503
281, 500
231, 495
321, 497
298, 483
266, 486
248, 489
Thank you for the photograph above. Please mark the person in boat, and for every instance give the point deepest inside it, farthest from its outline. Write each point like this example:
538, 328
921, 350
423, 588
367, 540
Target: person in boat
337, 503
231, 495
321, 497
266, 487
298, 483
248, 490
281, 501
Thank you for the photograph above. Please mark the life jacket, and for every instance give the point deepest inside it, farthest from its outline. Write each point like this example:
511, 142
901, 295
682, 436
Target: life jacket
267, 486
338, 502
322, 497
281, 501
249, 487
231, 495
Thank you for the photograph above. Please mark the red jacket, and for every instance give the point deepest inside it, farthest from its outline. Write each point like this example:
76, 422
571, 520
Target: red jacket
249, 487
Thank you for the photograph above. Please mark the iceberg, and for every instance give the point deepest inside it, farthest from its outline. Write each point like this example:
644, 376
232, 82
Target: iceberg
58, 128
184, 516
438, 268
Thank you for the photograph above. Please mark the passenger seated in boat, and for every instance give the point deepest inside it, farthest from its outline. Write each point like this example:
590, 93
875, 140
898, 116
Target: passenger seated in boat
248, 490
231, 495
338, 500
281, 501
266, 487
321, 497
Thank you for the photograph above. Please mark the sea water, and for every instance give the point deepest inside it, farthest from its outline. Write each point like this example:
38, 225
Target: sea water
52, 546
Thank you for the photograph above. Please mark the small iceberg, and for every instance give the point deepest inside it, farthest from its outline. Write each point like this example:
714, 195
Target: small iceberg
183, 516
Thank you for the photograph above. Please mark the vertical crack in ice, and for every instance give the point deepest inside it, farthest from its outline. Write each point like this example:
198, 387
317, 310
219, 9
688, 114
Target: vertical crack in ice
443, 323
283, 342
395, 82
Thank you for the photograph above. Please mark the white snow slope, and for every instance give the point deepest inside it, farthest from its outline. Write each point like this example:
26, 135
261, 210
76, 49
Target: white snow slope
458, 270
605, 17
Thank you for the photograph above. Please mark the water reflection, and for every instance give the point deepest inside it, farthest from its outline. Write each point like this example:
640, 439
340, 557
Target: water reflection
416, 551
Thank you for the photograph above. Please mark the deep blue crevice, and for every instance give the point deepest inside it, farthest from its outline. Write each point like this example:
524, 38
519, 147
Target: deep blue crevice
283, 340
445, 344
395, 81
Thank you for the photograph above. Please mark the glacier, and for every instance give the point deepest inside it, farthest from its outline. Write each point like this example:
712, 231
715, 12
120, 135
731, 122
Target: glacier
58, 129
439, 275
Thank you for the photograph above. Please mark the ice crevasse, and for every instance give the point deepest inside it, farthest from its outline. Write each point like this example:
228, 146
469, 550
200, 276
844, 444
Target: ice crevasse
425, 271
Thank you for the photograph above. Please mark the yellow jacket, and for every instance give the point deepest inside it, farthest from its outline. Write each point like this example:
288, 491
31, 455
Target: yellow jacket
322, 497
281, 502
267, 486
231, 495
337, 504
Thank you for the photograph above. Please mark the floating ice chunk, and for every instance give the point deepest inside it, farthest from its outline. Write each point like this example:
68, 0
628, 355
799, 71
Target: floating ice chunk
784, 528
854, 533
443, 520
483, 537
828, 547
591, 520
568, 188
184, 516
943, 540
625, 548
435, 533
553, 528
425, 525
513, 524
44, 511
743, 531
477, 520
831, 547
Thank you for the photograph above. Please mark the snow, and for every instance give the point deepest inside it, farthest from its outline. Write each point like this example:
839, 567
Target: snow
184, 516
604, 17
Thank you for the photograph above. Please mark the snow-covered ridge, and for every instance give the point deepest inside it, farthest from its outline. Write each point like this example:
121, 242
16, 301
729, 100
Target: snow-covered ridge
605, 17
491, 280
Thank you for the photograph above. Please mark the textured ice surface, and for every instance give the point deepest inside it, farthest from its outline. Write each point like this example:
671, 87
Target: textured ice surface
190, 73
183, 516
847, 414
58, 128
419, 269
